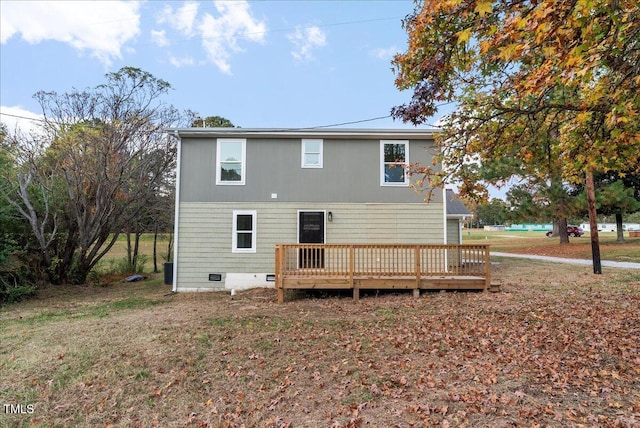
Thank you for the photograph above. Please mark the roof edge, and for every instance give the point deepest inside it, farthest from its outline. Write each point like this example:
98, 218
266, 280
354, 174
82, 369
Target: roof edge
303, 132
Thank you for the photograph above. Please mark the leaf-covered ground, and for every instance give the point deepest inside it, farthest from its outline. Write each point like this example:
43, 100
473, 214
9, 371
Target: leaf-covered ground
557, 346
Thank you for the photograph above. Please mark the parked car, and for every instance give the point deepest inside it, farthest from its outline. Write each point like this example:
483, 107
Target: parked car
571, 231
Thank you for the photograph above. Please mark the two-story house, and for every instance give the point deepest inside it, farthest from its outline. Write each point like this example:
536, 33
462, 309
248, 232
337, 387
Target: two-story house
242, 191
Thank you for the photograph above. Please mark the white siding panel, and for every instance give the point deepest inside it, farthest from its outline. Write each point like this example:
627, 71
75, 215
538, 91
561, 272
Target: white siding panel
453, 231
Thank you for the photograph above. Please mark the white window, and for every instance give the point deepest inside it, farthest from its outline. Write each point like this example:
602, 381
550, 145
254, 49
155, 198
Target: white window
243, 239
311, 153
230, 161
394, 161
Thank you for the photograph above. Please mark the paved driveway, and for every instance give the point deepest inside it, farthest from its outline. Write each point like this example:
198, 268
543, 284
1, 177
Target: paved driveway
605, 263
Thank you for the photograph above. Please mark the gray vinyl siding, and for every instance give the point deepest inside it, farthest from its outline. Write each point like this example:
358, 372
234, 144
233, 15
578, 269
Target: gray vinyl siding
351, 172
205, 233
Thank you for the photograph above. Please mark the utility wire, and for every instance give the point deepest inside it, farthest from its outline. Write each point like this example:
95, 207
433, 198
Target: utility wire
22, 117
353, 122
333, 125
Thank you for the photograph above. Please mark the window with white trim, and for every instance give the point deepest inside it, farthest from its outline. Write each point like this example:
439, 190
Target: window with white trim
243, 239
311, 153
230, 161
394, 161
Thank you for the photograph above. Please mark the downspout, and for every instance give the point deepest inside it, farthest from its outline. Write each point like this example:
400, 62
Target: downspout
444, 214
444, 217
176, 224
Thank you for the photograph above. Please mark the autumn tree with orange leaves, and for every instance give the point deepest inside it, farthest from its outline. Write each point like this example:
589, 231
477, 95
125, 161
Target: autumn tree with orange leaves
548, 90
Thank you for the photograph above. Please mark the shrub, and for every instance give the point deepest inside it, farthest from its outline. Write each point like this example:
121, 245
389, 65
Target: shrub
15, 276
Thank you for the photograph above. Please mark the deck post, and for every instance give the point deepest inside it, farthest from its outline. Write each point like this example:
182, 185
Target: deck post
487, 268
352, 264
279, 272
352, 267
416, 291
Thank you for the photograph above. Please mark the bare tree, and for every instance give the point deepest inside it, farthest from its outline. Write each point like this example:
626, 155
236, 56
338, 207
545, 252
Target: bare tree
107, 153
29, 188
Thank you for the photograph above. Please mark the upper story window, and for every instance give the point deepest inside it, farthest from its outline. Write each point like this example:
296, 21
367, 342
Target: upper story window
231, 161
311, 153
394, 161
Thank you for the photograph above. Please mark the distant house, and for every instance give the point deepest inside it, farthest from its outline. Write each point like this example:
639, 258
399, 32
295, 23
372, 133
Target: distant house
611, 227
530, 227
242, 191
457, 213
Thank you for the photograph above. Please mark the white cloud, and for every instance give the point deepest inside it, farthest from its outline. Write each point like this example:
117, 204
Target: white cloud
181, 62
386, 54
220, 32
305, 40
160, 38
18, 119
182, 19
102, 28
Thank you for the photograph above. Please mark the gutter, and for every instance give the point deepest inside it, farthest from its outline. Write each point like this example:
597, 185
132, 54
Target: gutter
306, 133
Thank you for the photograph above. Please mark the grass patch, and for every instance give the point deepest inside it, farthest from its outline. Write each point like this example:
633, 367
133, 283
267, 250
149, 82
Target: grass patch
97, 310
48, 316
385, 313
130, 303
255, 322
70, 368
133, 303
142, 374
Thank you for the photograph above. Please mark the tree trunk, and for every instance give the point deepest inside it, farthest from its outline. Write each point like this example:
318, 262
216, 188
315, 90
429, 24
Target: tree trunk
619, 229
80, 270
562, 230
155, 248
65, 263
593, 222
129, 250
170, 247
136, 251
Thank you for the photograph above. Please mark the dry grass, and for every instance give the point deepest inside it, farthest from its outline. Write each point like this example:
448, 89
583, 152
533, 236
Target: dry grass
119, 250
557, 347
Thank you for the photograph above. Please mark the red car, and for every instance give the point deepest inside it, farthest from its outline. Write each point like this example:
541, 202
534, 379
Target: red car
571, 231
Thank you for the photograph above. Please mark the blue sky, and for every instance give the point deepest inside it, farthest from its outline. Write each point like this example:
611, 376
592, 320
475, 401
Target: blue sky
268, 63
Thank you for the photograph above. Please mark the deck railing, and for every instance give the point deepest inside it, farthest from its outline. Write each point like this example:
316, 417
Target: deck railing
348, 265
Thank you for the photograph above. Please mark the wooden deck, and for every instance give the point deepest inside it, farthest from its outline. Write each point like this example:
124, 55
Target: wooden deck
381, 266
